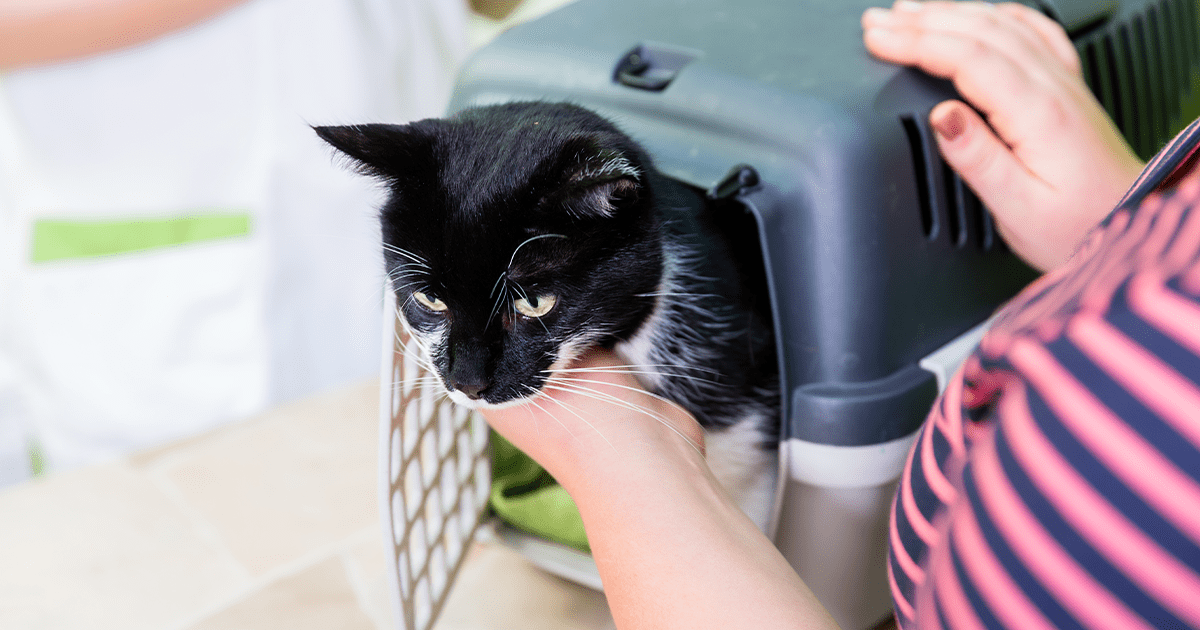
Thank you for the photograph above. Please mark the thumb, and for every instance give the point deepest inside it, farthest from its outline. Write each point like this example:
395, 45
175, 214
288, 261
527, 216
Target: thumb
974, 151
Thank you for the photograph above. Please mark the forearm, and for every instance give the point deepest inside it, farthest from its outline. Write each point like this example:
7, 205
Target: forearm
674, 550
34, 32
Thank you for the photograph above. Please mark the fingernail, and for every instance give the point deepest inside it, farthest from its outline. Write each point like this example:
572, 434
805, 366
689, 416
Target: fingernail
907, 5
950, 125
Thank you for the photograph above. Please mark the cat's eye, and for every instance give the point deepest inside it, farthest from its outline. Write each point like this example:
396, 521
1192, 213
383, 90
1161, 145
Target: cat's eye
535, 306
429, 302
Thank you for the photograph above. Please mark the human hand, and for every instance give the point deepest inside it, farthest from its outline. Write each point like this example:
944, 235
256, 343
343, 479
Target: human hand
1052, 164
594, 414
635, 467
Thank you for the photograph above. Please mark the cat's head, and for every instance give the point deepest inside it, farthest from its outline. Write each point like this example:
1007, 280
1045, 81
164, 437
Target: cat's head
515, 236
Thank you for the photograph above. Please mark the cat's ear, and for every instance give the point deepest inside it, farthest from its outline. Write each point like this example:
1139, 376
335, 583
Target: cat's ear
393, 153
596, 180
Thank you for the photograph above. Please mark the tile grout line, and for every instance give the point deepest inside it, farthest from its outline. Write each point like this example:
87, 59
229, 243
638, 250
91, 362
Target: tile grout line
380, 613
207, 532
158, 470
288, 569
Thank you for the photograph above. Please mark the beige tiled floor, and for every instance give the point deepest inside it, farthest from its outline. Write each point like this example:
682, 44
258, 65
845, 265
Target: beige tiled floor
269, 523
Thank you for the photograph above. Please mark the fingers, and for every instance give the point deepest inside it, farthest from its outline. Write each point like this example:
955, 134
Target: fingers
1011, 63
982, 74
974, 152
1051, 33
1007, 30
1018, 69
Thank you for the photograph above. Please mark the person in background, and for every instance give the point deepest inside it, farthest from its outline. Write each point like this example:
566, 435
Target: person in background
176, 249
1056, 482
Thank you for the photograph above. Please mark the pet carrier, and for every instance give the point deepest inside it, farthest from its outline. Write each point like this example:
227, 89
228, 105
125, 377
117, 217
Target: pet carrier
881, 265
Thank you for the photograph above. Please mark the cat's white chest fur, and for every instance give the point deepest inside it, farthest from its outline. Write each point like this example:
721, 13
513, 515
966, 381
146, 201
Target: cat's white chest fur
736, 458
734, 453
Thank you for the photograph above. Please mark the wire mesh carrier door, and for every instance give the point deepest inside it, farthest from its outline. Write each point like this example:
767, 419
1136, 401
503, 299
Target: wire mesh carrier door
436, 474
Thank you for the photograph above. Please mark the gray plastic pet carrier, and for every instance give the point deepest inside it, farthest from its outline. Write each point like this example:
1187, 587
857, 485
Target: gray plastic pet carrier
881, 265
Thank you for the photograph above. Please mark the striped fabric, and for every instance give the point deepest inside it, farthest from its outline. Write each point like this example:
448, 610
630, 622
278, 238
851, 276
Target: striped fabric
1056, 483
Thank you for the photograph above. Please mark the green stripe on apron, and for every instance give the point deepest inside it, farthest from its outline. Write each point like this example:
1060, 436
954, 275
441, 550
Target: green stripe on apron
67, 240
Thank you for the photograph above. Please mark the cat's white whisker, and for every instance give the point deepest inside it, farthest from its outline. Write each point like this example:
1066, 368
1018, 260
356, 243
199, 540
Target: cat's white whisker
608, 398
423, 381
407, 254
624, 387
602, 368
528, 241
424, 357
401, 282
406, 285
640, 366
677, 294
610, 370
573, 410
428, 367
406, 267
532, 400
709, 317
500, 299
499, 279
427, 376
400, 340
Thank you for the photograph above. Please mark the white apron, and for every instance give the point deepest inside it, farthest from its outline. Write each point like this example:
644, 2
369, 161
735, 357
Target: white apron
177, 248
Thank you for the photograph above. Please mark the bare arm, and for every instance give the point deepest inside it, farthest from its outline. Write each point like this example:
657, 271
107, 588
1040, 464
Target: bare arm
1048, 162
673, 549
34, 32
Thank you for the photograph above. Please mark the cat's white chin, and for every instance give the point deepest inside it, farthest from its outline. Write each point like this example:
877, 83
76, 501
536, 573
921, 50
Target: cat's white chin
460, 398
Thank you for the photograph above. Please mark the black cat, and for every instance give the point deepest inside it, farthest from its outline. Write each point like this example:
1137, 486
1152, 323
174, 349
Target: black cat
516, 236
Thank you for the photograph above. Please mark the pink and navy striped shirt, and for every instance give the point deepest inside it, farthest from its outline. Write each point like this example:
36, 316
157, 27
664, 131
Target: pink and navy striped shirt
1056, 483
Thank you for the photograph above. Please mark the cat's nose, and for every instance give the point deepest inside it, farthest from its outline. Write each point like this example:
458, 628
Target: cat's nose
468, 368
473, 388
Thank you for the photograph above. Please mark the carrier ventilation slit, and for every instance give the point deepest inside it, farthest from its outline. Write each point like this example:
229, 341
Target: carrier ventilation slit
1144, 28
956, 220
1175, 15
1172, 23
1189, 48
1135, 115
1175, 22
1164, 74
985, 233
1114, 79
1189, 28
921, 172
1164, 57
1140, 69
1097, 76
1178, 21
1087, 65
944, 198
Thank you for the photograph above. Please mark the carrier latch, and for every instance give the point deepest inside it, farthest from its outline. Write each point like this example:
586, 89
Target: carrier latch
651, 66
737, 179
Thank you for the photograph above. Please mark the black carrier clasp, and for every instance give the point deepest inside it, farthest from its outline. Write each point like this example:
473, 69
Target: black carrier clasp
738, 178
652, 66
